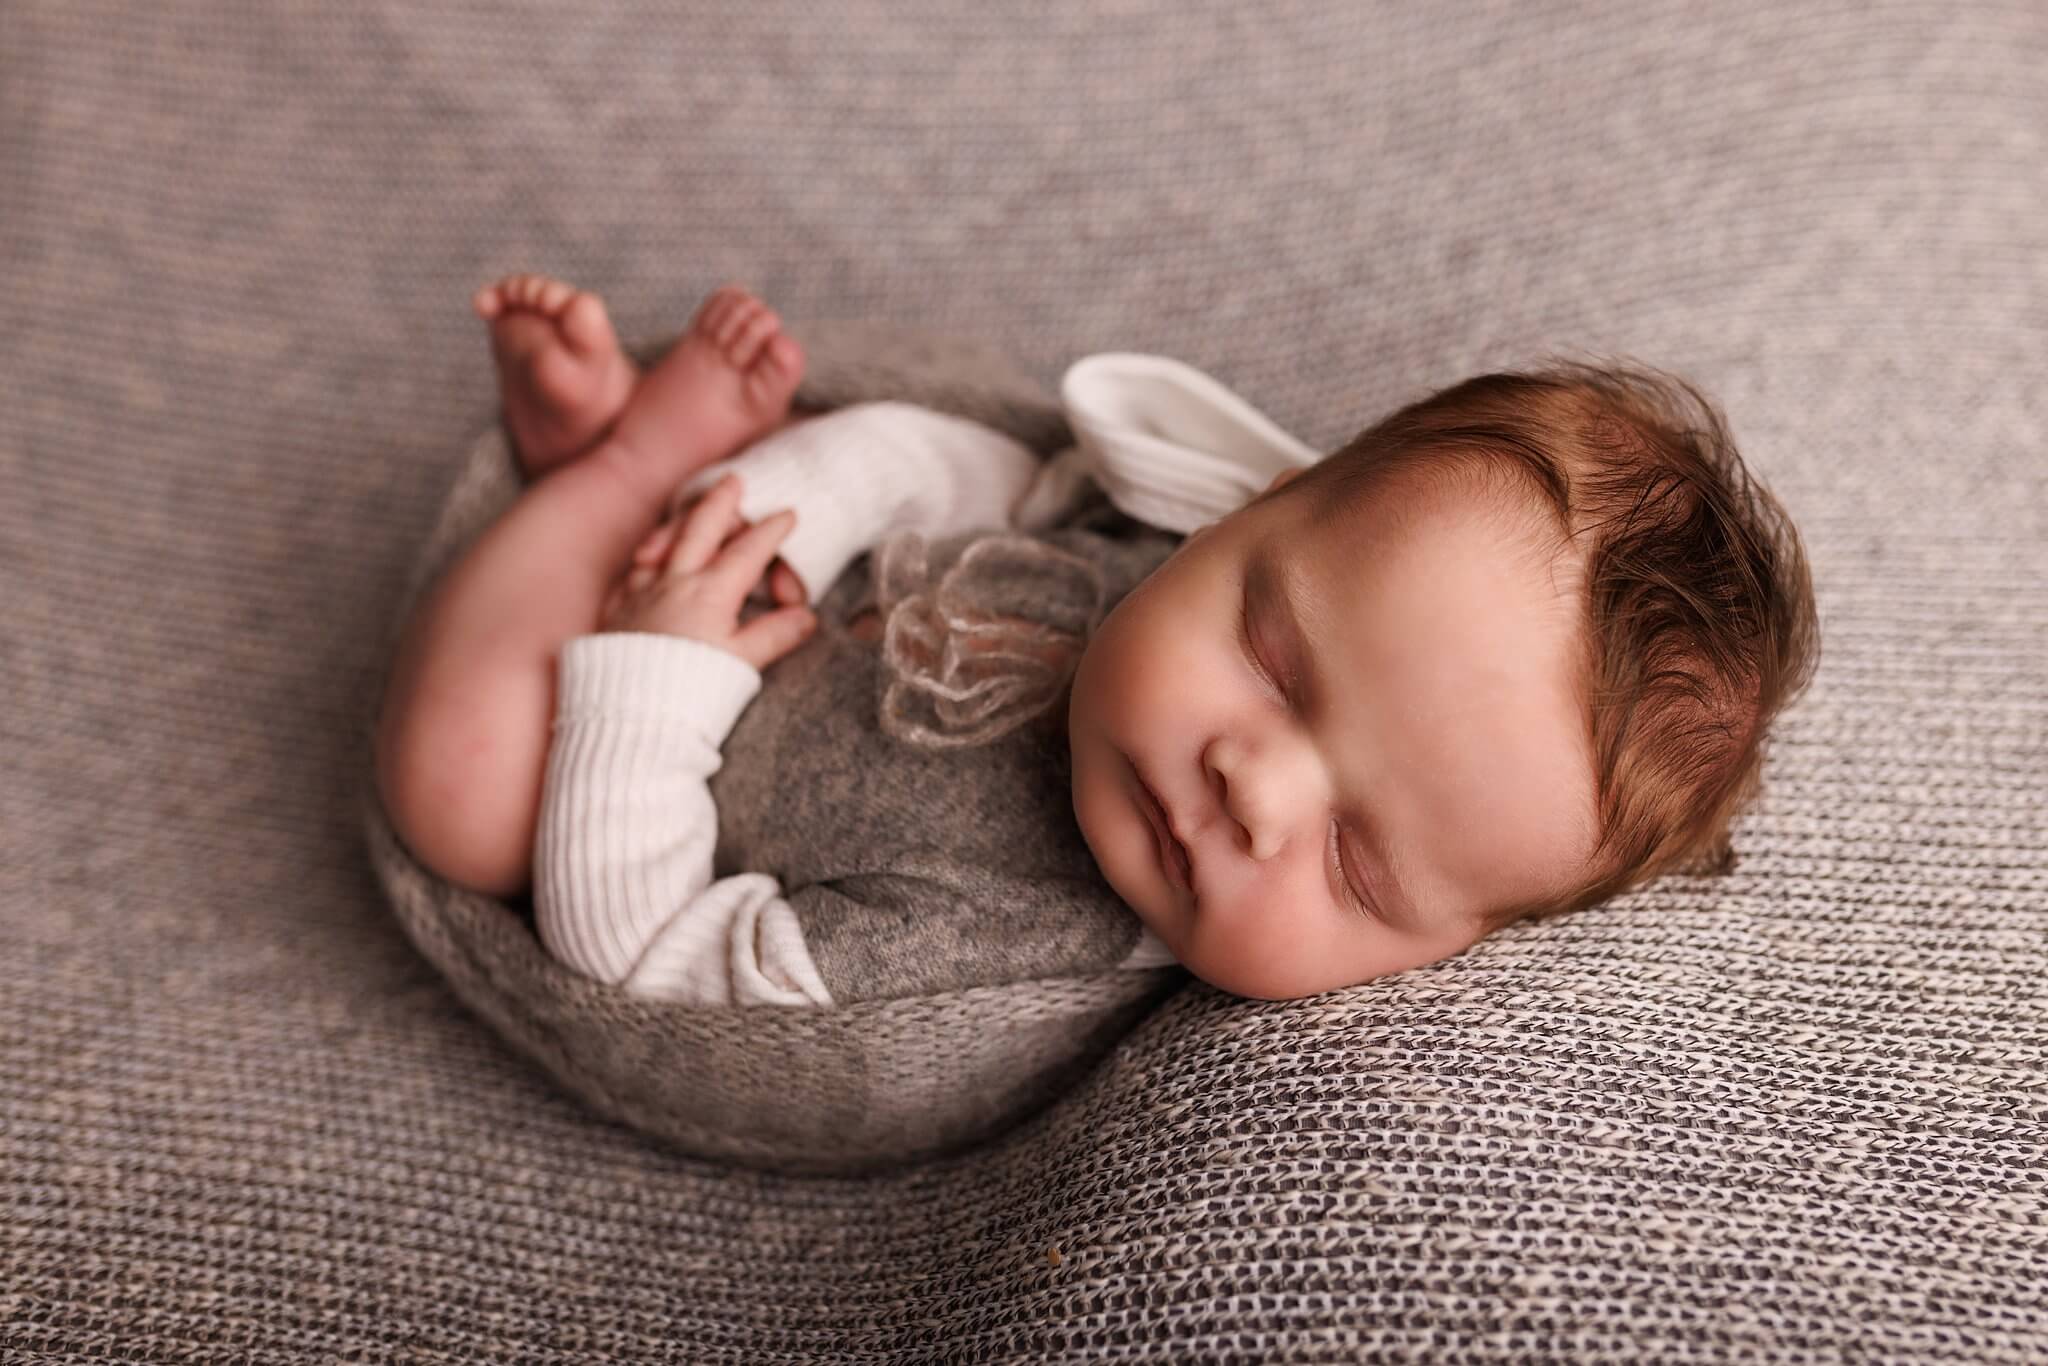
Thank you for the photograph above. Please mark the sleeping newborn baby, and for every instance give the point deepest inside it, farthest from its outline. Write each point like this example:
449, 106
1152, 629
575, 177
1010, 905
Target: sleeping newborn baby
1510, 651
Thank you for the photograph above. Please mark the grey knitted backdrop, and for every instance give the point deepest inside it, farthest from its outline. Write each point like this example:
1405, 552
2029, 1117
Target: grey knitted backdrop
1792, 1115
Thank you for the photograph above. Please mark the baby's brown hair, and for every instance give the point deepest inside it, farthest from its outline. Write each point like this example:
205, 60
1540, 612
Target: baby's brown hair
1698, 601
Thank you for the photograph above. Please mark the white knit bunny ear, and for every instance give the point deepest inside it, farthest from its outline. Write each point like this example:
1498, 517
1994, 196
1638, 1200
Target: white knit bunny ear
1169, 445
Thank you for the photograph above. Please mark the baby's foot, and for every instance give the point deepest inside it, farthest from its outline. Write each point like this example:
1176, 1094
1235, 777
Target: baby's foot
726, 383
562, 374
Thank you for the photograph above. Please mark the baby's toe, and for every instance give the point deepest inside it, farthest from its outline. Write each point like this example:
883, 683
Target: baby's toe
736, 322
585, 323
770, 381
783, 358
752, 336
716, 310
551, 295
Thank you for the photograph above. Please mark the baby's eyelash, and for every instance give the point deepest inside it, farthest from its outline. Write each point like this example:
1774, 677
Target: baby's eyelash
1244, 639
1351, 892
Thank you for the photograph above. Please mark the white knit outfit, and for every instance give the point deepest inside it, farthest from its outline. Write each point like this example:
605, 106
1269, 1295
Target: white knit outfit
623, 881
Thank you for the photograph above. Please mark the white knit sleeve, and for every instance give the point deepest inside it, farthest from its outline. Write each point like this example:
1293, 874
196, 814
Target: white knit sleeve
623, 886
859, 473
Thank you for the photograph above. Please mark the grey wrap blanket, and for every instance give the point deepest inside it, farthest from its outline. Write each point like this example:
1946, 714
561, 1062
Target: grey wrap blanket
949, 892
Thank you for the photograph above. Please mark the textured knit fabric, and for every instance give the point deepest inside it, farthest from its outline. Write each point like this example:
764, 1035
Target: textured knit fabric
1796, 1114
855, 866
915, 871
809, 785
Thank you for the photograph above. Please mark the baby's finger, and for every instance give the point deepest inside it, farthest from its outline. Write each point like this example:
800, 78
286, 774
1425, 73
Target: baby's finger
772, 635
744, 560
658, 542
784, 585
705, 526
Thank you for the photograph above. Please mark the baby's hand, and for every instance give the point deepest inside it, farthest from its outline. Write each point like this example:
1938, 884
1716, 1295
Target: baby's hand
699, 591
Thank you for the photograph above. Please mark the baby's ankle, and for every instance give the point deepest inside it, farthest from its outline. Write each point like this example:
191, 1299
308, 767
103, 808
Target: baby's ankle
647, 478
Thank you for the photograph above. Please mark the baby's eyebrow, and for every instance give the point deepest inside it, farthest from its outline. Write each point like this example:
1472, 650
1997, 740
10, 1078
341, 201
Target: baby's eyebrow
1266, 581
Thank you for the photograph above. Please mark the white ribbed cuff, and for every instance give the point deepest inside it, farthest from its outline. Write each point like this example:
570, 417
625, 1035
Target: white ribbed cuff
640, 673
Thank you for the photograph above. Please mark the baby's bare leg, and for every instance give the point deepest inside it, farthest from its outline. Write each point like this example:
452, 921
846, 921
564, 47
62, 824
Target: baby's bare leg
463, 737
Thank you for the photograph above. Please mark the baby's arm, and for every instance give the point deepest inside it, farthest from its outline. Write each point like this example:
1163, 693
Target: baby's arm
623, 883
622, 864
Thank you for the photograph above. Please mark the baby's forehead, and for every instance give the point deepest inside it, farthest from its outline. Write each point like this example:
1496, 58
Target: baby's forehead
1421, 515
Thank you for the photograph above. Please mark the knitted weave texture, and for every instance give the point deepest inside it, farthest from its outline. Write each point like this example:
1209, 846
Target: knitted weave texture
1795, 1114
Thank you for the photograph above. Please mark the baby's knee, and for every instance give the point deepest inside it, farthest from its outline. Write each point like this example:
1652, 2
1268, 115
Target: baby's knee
461, 822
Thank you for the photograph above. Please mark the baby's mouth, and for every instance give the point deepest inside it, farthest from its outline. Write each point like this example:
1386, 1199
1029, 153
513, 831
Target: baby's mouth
1173, 856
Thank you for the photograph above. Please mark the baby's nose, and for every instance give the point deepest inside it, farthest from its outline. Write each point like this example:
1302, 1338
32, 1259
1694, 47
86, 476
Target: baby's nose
1268, 795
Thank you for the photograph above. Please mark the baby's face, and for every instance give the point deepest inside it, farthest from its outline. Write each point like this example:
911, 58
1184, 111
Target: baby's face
1421, 718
